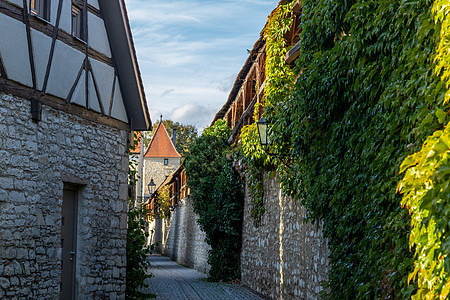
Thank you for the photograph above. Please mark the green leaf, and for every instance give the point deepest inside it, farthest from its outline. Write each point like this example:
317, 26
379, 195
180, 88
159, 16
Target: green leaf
441, 115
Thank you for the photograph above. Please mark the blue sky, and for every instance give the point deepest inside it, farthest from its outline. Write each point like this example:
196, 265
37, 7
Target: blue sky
190, 52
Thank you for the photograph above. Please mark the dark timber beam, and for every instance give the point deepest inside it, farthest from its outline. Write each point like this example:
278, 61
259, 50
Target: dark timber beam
112, 94
47, 29
26, 20
19, 90
52, 49
74, 86
239, 124
2, 69
97, 92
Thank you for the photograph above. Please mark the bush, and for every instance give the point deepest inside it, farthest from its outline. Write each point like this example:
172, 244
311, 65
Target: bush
218, 200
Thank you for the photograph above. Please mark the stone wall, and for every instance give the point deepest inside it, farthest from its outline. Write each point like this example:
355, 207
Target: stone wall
154, 168
181, 239
283, 258
36, 159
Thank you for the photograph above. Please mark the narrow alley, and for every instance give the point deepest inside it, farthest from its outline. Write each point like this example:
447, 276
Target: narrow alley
173, 281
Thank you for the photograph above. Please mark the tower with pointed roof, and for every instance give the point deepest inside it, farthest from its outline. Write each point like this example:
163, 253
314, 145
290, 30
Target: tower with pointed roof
160, 159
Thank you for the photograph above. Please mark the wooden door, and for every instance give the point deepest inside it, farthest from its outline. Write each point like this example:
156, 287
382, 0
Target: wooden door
68, 242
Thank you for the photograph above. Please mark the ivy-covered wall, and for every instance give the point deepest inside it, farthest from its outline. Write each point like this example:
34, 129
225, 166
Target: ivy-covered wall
367, 94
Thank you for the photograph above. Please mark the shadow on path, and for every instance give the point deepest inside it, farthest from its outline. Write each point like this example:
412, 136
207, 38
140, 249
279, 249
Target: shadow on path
172, 281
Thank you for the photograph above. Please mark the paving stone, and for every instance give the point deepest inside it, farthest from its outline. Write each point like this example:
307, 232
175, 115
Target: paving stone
173, 281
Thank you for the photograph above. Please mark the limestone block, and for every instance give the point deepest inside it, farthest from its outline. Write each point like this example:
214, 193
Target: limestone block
4, 282
7, 183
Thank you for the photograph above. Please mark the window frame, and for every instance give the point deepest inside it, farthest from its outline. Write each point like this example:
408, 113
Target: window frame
40, 9
77, 16
166, 161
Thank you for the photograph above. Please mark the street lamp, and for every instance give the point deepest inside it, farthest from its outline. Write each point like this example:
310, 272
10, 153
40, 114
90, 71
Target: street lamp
262, 125
264, 139
151, 187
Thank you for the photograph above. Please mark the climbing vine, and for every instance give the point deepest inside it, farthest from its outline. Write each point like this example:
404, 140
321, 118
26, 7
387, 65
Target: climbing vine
366, 95
216, 191
279, 87
255, 160
426, 187
137, 263
163, 202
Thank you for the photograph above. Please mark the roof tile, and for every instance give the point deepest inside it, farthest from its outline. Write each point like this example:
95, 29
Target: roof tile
161, 145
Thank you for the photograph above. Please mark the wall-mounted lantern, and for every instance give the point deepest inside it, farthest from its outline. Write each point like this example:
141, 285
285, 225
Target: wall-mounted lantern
264, 140
262, 125
151, 187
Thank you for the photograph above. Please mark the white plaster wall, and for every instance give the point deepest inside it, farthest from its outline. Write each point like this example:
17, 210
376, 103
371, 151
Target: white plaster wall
14, 50
41, 50
94, 3
65, 67
118, 108
98, 38
65, 23
16, 2
78, 96
53, 11
104, 75
93, 102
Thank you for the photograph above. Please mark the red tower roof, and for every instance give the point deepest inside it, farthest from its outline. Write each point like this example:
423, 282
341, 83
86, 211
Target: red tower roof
161, 145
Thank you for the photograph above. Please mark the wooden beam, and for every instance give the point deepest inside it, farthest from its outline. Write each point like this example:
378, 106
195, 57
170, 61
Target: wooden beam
46, 28
99, 99
19, 90
237, 128
26, 21
2, 69
52, 48
74, 86
93, 10
112, 94
86, 51
292, 54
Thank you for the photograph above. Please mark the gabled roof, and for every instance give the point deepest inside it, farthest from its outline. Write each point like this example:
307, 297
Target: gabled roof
260, 43
124, 57
161, 145
257, 48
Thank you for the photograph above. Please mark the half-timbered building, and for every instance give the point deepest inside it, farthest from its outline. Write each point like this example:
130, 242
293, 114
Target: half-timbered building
70, 93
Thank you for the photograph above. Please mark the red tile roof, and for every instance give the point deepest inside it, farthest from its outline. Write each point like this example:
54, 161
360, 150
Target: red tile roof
137, 148
161, 145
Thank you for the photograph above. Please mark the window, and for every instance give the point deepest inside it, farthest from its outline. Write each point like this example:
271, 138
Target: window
166, 161
77, 22
40, 8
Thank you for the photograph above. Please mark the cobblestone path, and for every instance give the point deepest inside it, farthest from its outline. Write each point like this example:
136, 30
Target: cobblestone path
172, 281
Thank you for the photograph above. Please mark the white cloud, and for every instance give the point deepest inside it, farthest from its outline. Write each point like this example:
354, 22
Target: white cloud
167, 92
194, 114
189, 52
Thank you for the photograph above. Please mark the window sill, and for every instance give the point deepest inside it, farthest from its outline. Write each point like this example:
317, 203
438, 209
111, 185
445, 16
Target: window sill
38, 17
78, 39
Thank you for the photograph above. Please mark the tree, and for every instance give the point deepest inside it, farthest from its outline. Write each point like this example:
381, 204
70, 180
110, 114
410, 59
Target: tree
218, 200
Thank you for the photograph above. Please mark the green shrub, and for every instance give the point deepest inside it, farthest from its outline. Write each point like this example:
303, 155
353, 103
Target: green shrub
136, 253
216, 191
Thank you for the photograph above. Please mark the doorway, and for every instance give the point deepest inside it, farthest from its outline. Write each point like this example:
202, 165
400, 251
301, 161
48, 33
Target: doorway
69, 241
